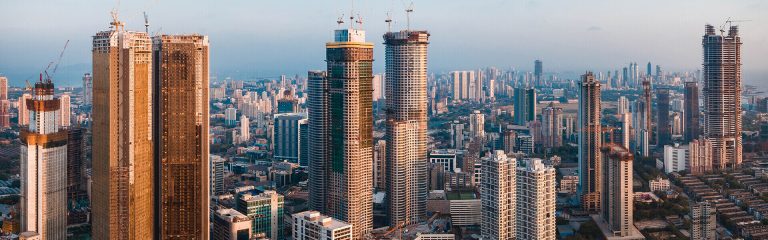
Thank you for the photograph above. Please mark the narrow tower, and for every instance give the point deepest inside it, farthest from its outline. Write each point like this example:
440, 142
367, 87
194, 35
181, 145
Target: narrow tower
590, 138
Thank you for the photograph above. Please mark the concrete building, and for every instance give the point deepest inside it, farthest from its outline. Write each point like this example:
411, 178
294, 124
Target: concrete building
477, 125
700, 156
590, 139
288, 103
266, 212
380, 166
722, 95
291, 138
181, 127
123, 156
691, 112
43, 157
703, 221
622, 106
245, 128
624, 120
464, 85
406, 132
23, 118
524, 144
457, 135
87, 89
552, 126
217, 175
538, 72
647, 107
311, 225
340, 171
76, 185
229, 224
535, 211
663, 125
447, 158
658, 184
65, 120
616, 213
510, 141
498, 192
230, 117
640, 121
525, 106
675, 158
5, 105
435, 236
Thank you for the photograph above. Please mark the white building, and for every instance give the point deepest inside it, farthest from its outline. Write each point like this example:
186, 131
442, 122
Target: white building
311, 225
444, 157
535, 200
623, 105
229, 224
23, 109
44, 168
66, 110
497, 192
245, 129
230, 116
477, 125
675, 157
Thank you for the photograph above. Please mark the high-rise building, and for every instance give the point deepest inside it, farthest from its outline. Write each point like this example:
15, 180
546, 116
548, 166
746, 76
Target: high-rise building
406, 132
525, 105
43, 157
290, 143
691, 111
618, 198
287, 104
245, 129
123, 167
23, 118
378, 87
510, 141
648, 69
625, 122
5, 105
477, 125
663, 125
498, 198
230, 117
217, 175
341, 156
552, 126
181, 135
229, 224
463, 85
648, 104
699, 156
75, 163
380, 166
266, 212
538, 71
590, 138
676, 157
457, 135
622, 105
535, 200
311, 225
66, 110
703, 221
722, 95
639, 124
87, 89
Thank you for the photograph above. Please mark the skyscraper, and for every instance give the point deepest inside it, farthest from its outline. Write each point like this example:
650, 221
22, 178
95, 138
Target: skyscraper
722, 95
622, 105
123, 166
538, 71
342, 104
43, 158
287, 104
289, 142
663, 128
245, 128
5, 105
75, 166
699, 156
617, 194
463, 82
525, 105
590, 138
406, 133
691, 111
552, 126
498, 198
23, 118
703, 221
66, 110
266, 211
457, 135
477, 125
535, 200
639, 124
647, 99
181, 136
87, 89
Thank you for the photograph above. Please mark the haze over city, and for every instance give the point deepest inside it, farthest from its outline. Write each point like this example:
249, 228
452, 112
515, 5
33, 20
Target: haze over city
253, 39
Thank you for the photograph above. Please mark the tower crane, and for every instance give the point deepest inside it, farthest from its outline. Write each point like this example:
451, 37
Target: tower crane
146, 23
729, 22
56, 64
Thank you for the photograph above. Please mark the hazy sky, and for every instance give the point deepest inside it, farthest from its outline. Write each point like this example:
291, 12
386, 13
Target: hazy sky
264, 38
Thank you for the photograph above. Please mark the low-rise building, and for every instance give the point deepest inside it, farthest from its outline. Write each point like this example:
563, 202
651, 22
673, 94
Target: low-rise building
311, 225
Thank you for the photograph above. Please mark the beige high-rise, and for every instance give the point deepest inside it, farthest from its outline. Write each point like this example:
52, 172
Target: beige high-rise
341, 157
590, 138
181, 132
618, 197
123, 171
535, 201
498, 196
406, 148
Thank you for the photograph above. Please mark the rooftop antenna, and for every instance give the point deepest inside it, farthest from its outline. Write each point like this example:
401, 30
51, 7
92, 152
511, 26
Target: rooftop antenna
146, 23
389, 22
408, 12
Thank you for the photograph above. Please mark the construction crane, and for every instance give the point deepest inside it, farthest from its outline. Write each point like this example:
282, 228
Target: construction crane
389, 22
340, 20
729, 22
408, 12
56, 66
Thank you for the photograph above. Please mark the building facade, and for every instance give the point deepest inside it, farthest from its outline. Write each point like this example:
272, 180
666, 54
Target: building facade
43, 157
181, 136
703, 221
498, 196
722, 96
691, 111
525, 106
590, 139
663, 125
311, 225
229, 224
552, 126
477, 125
266, 212
290, 143
618, 197
535, 210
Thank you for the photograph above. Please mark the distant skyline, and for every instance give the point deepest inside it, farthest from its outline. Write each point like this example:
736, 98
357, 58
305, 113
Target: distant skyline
256, 39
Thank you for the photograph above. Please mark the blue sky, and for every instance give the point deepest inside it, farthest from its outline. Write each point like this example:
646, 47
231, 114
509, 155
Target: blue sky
264, 38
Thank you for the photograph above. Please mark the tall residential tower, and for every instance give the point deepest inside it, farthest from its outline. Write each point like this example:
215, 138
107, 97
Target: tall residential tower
590, 138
